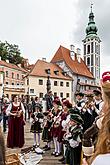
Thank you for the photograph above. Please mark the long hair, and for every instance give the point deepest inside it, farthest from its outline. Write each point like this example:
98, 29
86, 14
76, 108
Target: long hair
103, 143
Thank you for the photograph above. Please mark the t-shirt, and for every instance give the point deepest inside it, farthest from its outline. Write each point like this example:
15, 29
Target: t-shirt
103, 159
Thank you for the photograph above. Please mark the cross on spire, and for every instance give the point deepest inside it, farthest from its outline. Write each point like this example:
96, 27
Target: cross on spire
91, 7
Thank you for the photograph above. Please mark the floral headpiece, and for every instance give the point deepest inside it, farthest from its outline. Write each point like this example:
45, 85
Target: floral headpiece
106, 77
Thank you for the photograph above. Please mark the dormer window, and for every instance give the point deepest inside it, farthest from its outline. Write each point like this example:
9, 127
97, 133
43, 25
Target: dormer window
56, 72
64, 73
47, 71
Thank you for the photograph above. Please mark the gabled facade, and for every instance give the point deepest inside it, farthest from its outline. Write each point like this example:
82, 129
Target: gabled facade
13, 81
75, 67
36, 80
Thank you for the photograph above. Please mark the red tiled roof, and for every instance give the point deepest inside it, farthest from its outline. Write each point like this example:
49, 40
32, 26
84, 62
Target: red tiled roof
63, 54
39, 70
13, 66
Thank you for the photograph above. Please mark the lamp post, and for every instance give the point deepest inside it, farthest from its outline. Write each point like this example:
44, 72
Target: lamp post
48, 80
48, 84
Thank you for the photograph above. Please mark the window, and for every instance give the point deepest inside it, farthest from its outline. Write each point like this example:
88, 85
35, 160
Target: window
84, 49
67, 84
7, 83
17, 84
92, 47
17, 76
12, 75
86, 81
27, 81
55, 94
12, 83
61, 83
61, 95
31, 90
6, 73
88, 61
92, 60
55, 83
67, 95
40, 95
88, 49
40, 82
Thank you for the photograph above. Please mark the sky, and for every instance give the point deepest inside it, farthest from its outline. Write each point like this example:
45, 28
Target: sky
39, 27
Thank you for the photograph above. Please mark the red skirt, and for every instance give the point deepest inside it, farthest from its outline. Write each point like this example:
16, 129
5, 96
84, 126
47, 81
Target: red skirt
15, 132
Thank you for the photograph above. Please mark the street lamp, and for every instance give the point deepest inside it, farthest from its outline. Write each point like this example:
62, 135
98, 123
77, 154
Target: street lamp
48, 80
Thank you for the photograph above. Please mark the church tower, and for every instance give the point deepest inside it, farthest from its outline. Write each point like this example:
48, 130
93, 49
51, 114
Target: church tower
91, 49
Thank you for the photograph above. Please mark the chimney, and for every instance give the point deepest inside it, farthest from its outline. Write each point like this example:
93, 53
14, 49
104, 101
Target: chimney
72, 51
78, 53
43, 59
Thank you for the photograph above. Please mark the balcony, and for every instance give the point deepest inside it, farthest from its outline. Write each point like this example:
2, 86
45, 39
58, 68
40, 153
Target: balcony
18, 88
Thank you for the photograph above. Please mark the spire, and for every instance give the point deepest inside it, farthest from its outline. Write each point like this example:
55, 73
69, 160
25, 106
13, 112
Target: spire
91, 28
91, 7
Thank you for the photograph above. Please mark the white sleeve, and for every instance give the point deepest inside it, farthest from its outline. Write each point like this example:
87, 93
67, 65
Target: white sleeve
22, 107
8, 109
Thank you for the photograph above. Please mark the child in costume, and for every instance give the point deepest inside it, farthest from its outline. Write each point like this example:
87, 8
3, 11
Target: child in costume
37, 121
74, 146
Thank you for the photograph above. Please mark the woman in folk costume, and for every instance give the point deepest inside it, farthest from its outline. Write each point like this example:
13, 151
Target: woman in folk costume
56, 128
74, 146
37, 121
101, 155
16, 123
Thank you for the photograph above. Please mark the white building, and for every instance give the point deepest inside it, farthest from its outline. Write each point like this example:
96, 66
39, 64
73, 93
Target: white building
72, 63
36, 80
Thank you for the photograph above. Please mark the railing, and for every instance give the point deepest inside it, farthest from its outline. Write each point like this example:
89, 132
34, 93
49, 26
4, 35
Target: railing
14, 86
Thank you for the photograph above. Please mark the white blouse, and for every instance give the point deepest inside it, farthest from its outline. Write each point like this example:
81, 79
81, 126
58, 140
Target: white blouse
10, 107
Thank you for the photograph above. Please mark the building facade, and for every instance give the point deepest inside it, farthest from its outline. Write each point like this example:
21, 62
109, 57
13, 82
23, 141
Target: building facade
72, 64
13, 79
36, 81
91, 45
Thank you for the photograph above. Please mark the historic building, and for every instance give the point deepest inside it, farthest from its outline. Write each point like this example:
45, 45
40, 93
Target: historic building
12, 79
72, 64
37, 79
92, 48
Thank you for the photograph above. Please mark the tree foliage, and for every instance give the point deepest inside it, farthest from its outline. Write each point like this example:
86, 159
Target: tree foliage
10, 52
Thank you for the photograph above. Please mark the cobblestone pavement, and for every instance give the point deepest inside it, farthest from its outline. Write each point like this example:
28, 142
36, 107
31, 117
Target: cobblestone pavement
47, 158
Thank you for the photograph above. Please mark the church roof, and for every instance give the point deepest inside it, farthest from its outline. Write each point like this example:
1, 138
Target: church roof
80, 68
56, 72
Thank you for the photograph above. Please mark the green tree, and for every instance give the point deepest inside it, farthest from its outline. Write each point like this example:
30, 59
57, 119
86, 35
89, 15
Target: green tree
10, 52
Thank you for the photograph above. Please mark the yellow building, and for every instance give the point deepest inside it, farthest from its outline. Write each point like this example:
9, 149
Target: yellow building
13, 81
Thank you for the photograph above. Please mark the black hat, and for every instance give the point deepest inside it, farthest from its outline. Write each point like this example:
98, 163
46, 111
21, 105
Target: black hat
80, 94
74, 110
97, 92
77, 118
38, 106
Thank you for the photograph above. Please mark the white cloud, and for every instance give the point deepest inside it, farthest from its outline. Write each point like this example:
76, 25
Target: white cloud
39, 27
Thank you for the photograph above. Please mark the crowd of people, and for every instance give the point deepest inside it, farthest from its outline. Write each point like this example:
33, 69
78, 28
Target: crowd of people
80, 132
